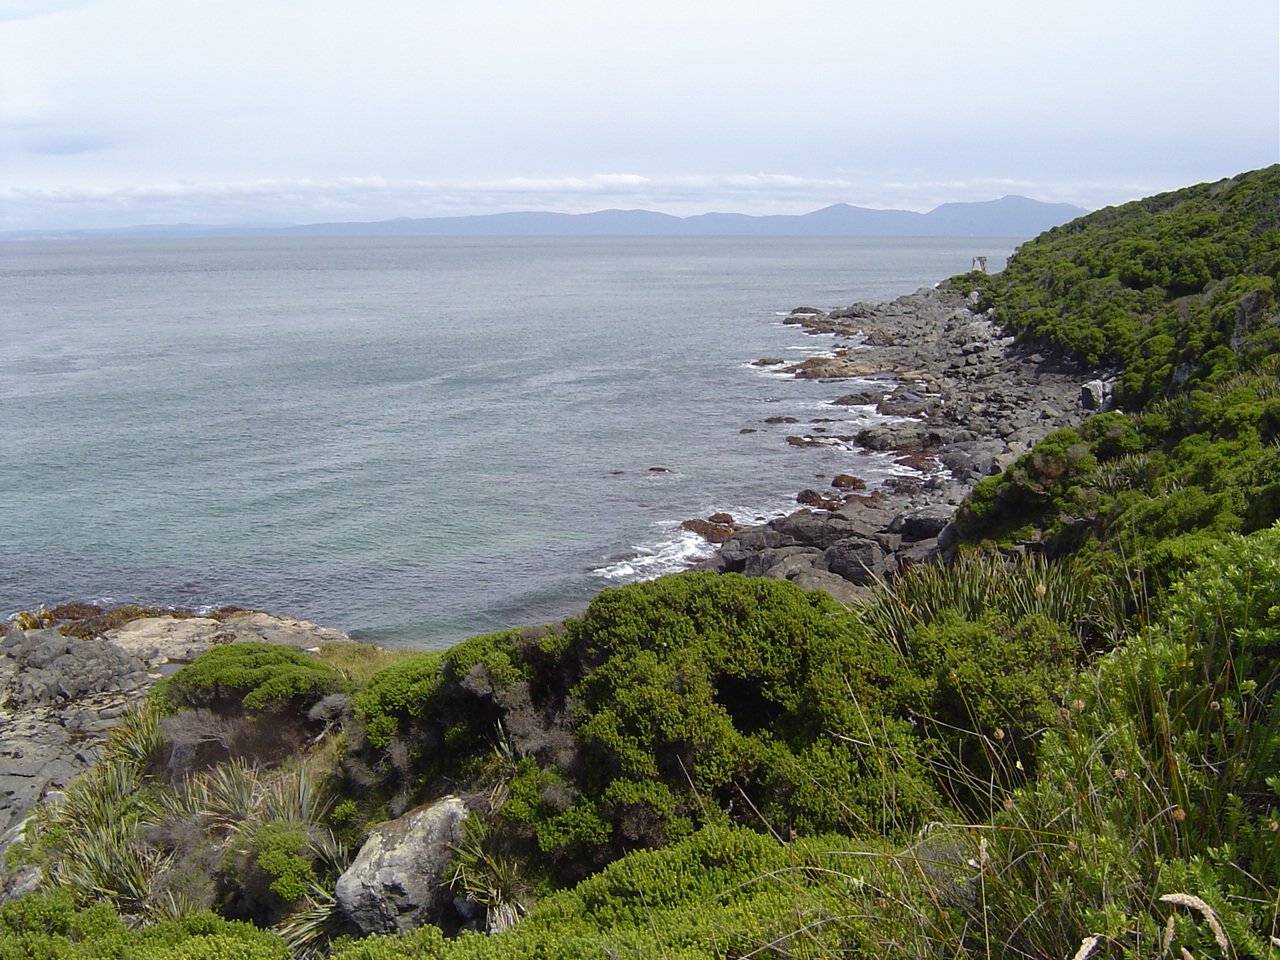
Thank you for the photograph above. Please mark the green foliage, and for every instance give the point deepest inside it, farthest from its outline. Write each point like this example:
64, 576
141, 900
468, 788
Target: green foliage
667, 705
1068, 747
715, 685
1154, 286
282, 851
395, 694
1159, 779
1033, 491
357, 662
260, 676
49, 926
1159, 486
981, 583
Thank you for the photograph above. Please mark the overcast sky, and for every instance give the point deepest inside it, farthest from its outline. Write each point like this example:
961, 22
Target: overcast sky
117, 112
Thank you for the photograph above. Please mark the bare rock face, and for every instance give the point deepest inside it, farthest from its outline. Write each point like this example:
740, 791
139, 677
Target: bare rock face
57, 697
158, 640
396, 882
859, 561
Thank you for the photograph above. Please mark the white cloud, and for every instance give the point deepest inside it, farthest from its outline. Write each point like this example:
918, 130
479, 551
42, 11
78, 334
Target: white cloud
30, 9
299, 109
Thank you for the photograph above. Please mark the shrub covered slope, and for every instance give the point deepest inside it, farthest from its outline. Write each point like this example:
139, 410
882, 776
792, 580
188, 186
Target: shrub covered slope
1071, 748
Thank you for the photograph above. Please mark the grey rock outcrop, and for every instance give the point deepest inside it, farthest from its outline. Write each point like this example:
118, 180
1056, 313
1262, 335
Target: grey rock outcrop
396, 881
60, 695
1097, 394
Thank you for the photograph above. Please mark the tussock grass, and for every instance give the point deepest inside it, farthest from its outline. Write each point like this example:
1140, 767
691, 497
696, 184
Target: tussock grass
979, 582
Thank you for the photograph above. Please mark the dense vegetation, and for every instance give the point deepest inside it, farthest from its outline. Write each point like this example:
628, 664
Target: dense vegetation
1180, 293
1067, 743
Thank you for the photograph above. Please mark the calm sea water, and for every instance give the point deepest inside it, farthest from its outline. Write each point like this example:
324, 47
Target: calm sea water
415, 440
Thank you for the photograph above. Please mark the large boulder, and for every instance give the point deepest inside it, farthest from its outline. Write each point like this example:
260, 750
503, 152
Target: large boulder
839, 588
397, 881
1096, 395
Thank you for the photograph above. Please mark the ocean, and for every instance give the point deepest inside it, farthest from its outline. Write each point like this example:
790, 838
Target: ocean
413, 439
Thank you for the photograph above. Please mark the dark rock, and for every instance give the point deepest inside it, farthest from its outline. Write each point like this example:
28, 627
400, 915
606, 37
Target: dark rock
923, 526
781, 420
845, 481
921, 460
903, 486
959, 462
812, 498
897, 436
981, 399
889, 542
905, 405
1096, 395
806, 528
838, 587
865, 398
735, 551
711, 532
921, 551
858, 561
798, 560
722, 518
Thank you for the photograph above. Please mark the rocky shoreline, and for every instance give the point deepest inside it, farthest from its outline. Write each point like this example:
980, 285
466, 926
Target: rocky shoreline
967, 399
60, 693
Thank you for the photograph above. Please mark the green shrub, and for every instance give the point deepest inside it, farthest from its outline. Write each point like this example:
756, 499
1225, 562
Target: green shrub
282, 852
395, 694
1160, 778
48, 926
257, 675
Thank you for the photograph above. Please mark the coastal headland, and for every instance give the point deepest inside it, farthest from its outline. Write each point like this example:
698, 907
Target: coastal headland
1066, 734
68, 676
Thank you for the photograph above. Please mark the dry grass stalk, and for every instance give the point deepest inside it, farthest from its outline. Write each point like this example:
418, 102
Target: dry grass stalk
1199, 906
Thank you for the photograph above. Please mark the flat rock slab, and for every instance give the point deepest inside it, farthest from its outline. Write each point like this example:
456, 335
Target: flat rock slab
156, 640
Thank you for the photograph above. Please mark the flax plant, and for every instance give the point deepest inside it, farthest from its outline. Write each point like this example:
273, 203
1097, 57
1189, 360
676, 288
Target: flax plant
978, 582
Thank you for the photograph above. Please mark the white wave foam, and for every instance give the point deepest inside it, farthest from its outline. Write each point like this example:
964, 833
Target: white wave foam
676, 552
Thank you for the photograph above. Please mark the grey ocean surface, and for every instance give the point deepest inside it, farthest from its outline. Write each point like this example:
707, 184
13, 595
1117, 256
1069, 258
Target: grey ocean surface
414, 440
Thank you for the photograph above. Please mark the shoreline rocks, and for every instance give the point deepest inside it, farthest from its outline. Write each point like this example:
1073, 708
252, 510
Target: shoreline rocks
61, 693
969, 400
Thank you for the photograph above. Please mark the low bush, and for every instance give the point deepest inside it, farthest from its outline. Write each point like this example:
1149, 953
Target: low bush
258, 676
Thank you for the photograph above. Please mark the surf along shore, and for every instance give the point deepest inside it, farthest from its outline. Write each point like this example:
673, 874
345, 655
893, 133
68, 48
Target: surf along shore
965, 401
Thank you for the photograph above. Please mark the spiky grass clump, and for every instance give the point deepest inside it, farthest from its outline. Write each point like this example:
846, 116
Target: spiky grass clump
982, 582
122, 833
1158, 782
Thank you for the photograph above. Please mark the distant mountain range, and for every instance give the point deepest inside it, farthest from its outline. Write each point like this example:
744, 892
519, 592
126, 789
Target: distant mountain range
1007, 217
